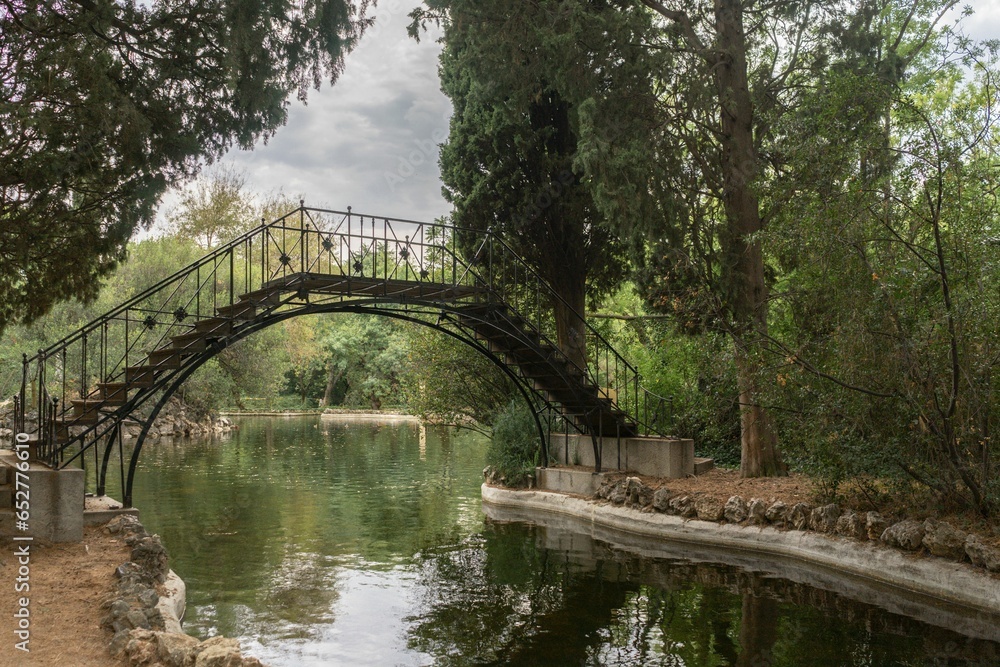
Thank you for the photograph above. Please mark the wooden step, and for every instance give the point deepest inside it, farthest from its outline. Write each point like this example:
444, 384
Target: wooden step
267, 296
141, 376
190, 342
168, 357
561, 369
215, 326
88, 407
113, 393
85, 419
241, 310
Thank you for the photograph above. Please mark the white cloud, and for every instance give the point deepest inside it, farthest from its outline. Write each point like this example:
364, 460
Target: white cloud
369, 141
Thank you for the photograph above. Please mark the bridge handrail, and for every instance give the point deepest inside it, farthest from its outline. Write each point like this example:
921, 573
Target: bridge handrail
594, 332
621, 364
255, 231
637, 411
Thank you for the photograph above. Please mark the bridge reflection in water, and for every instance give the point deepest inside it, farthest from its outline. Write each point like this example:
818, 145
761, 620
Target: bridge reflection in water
77, 395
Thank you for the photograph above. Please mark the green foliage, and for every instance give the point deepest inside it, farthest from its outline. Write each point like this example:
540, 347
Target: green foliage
446, 381
885, 338
208, 390
510, 160
106, 104
695, 374
214, 210
513, 452
372, 351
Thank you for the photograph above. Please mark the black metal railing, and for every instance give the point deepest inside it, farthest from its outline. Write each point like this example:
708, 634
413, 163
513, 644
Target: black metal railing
307, 241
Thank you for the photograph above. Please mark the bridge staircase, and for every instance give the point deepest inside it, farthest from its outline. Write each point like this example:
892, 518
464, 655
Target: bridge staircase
77, 395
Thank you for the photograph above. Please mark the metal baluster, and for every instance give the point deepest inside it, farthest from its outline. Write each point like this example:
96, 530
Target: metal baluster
83, 370
232, 277
41, 391
121, 461
24, 389
104, 351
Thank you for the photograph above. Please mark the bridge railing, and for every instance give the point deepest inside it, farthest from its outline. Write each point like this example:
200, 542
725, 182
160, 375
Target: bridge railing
516, 283
305, 241
427, 251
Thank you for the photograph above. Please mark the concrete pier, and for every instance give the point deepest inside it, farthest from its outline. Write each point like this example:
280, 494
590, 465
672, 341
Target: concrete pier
670, 458
54, 500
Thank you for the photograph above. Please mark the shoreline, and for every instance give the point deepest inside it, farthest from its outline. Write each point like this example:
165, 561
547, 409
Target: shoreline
932, 590
346, 414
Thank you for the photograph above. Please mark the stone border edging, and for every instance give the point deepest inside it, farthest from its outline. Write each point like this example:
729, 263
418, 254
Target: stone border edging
173, 604
147, 625
937, 579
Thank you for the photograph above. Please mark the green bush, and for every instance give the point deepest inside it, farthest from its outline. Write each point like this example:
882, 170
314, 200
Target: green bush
513, 451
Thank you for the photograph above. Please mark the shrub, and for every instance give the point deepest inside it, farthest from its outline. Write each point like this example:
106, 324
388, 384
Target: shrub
513, 451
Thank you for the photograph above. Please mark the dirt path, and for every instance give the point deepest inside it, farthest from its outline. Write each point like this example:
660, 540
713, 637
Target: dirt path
68, 583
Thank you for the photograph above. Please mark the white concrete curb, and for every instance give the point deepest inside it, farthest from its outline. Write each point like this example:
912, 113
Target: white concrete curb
932, 581
173, 603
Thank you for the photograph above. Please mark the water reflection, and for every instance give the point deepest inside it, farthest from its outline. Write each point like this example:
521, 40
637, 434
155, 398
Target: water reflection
581, 602
324, 543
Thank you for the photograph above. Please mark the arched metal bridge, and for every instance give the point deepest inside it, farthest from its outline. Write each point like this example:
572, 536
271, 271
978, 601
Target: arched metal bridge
77, 395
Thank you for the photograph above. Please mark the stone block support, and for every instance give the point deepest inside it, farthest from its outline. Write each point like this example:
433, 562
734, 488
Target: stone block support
55, 503
656, 457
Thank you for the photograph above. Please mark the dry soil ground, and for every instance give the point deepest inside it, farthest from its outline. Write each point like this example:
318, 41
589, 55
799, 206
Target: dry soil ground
68, 583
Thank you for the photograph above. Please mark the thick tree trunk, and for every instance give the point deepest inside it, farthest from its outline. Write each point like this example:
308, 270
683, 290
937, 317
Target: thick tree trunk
571, 329
332, 378
759, 454
303, 387
744, 261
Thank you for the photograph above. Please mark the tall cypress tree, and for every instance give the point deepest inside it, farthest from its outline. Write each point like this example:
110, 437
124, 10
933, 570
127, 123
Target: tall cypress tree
510, 160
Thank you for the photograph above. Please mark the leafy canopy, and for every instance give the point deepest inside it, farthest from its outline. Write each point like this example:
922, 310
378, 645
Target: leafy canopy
104, 104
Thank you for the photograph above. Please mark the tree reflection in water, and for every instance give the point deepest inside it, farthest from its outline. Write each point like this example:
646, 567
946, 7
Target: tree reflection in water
579, 602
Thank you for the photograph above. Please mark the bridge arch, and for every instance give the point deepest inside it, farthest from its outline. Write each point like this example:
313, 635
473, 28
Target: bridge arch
360, 308
77, 393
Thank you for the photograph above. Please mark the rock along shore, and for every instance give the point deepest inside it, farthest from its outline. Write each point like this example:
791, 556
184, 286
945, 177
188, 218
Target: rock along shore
144, 612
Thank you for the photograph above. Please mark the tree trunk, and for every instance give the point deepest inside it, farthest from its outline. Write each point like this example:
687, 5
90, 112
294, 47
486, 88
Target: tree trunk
759, 455
571, 328
332, 378
743, 259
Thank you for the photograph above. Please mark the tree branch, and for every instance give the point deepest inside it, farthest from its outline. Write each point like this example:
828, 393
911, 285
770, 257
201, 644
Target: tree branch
687, 26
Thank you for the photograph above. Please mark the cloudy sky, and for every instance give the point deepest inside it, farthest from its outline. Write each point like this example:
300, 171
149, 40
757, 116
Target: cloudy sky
370, 141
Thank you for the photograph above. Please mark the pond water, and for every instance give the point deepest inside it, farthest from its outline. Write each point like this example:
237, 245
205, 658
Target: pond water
327, 542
